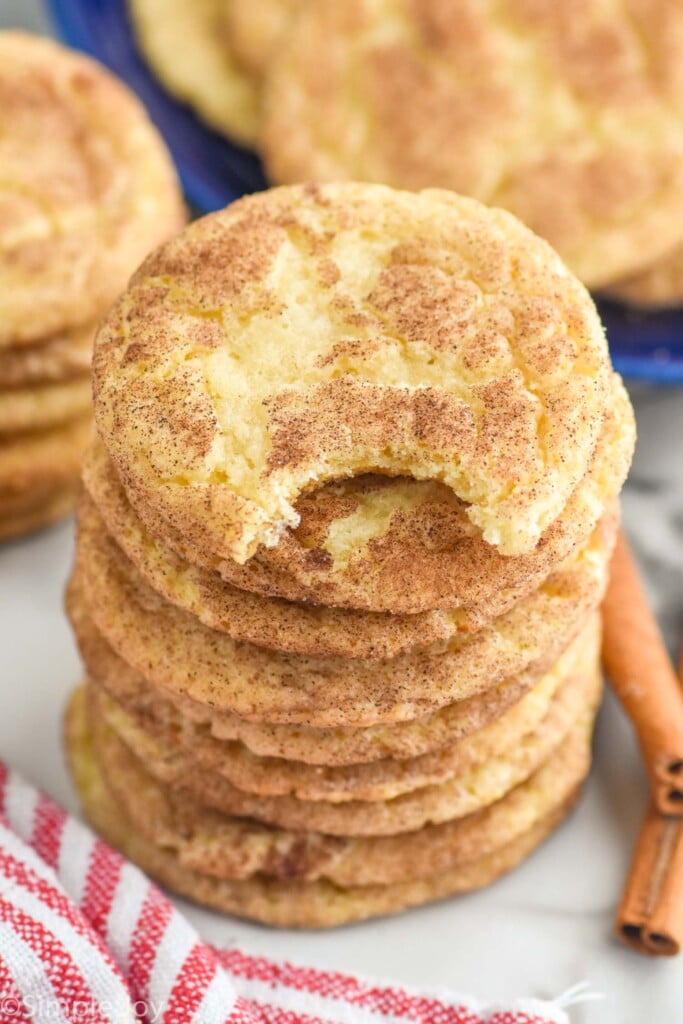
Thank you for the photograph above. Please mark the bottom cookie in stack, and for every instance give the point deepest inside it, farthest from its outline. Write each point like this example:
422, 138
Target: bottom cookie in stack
372, 839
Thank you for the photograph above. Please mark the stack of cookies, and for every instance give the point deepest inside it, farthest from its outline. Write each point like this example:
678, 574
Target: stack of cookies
87, 189
570, 115
345, 534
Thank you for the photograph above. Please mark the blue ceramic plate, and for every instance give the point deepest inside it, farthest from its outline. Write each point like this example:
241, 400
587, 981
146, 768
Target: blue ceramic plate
214, 172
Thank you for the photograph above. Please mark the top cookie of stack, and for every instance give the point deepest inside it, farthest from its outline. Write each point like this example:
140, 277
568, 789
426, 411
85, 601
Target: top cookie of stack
318, 334
347, 528
567, 114
87, 190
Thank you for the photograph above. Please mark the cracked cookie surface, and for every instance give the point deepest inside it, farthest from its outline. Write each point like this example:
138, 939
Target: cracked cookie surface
315, 333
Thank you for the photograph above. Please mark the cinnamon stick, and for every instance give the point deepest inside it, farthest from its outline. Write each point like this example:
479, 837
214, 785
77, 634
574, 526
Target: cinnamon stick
642, 676
650, 915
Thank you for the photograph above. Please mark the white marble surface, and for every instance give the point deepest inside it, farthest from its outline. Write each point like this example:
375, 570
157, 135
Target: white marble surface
535, 933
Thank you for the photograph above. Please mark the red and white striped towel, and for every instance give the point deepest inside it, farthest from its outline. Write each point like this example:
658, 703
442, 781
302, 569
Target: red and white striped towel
86, 938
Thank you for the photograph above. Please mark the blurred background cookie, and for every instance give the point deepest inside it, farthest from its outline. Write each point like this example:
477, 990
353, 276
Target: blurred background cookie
567, 114
255, 30
87, 189
64, 356
658, 287
187, 44
39, 475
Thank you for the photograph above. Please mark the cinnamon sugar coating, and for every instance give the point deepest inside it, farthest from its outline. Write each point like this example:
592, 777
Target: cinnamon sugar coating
315, 333
394, 531
375, 543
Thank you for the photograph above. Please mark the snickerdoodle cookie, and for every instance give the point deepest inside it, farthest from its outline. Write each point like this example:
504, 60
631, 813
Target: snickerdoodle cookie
312, 333
567, 114
187, 45
87, 188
